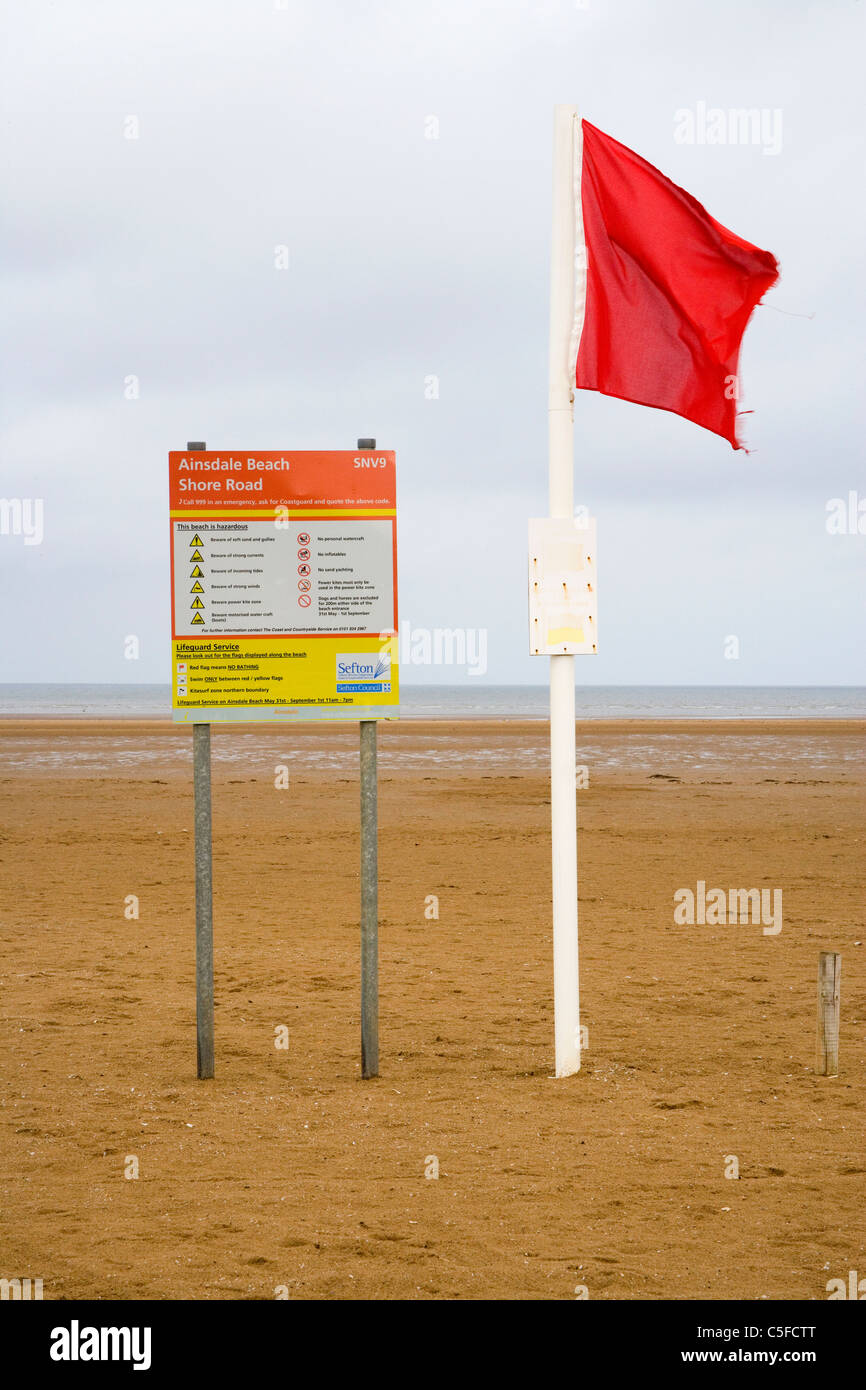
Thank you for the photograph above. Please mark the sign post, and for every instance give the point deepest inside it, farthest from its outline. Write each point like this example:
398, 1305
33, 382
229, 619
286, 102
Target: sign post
369, 887
369, 903
201, 781
283, 580
203, 901
562, 598
563, 778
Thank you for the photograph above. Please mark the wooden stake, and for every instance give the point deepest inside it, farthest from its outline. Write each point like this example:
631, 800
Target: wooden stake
829, 977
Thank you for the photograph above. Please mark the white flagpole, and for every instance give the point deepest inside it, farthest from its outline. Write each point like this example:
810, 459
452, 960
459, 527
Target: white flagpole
563, 788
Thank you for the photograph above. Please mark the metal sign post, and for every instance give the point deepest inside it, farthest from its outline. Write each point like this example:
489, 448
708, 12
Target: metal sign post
369, 904
204, 1011
369, 889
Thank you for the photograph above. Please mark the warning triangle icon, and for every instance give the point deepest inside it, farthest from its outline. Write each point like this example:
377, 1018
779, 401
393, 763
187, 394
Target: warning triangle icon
196, 603
198, 618
196, 540
196, 588
197, 573
196, 555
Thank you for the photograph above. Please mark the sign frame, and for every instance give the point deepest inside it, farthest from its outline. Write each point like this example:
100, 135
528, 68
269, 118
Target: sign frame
323, 495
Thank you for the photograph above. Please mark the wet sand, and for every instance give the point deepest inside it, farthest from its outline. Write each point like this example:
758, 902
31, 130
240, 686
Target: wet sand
287, 1170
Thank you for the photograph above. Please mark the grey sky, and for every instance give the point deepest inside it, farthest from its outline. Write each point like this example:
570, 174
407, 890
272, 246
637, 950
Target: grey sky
413, 257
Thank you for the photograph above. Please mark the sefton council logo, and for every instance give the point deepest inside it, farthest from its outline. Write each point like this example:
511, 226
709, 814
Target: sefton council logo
358, 671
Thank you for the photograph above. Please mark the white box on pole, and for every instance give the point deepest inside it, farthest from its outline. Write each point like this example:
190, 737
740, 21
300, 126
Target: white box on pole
563, 614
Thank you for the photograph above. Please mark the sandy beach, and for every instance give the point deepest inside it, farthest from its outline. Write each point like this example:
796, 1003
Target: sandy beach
287, 1171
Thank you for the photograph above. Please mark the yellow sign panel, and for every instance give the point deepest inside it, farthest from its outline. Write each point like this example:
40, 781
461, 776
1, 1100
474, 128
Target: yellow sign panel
223, 675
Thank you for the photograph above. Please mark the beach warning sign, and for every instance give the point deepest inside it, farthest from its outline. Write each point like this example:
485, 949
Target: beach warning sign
283, 585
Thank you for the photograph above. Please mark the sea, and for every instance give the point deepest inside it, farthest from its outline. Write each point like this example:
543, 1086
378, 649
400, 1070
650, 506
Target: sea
483, 701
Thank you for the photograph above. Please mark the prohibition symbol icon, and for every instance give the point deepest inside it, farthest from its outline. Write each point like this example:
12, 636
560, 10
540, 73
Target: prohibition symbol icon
303, 569
303, 538
304, 600
304, 585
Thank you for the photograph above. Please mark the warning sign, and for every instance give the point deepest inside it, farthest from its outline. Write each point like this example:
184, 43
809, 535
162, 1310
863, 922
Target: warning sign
283, 585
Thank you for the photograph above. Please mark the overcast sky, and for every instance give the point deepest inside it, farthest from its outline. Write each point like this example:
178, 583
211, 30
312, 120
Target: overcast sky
262, 124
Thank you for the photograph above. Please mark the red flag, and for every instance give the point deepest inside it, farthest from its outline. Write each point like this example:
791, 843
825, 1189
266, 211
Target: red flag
668, 290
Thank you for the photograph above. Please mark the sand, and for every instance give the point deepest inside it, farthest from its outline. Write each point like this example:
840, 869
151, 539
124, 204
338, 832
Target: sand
289, 1172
